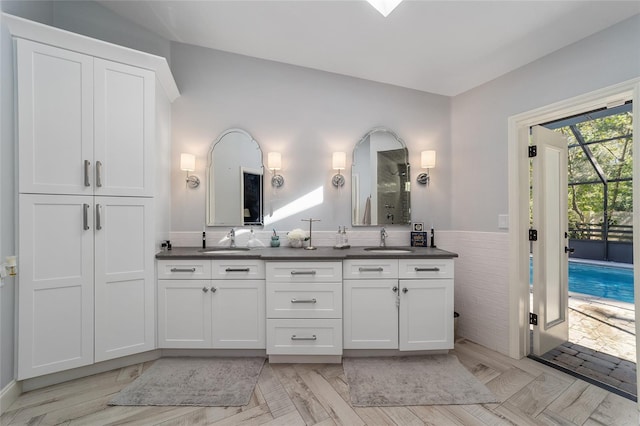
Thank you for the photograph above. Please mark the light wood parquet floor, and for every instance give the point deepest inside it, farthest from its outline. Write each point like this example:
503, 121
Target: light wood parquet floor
317, 394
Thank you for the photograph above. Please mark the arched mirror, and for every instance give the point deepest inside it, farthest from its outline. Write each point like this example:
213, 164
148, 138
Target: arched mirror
234, 180
380, 180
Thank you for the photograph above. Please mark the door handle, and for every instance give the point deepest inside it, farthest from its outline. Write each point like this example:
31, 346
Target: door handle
98, 217
204, 289
98, 174
569, 249
394, 289
85, 217
87, 164
404, 290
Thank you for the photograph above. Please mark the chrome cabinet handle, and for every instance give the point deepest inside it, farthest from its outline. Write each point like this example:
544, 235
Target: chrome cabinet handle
303, 300
85, 217
427, 269
394, 289
204, 289
98, 217
313, 337
404, 290
98, 174
378, 269
303, 272
87, 164
237, 270
183, 269
213, 289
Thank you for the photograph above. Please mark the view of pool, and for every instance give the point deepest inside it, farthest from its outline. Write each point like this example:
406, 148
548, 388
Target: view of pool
602, 281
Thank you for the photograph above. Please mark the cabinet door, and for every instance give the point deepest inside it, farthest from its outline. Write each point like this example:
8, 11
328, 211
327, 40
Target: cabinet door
55, 119
184, 314
370, 314
124, 129
55, 284
426, 314
238, 314
124, 277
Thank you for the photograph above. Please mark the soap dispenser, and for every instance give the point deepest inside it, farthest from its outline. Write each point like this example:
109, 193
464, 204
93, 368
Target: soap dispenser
339, 238
253, 241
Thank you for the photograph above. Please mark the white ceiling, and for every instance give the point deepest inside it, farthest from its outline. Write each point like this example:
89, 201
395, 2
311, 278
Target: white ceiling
443, 47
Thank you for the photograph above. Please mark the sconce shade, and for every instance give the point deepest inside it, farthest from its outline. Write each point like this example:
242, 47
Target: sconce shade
274, 161
428, 159
339, 160
187, 162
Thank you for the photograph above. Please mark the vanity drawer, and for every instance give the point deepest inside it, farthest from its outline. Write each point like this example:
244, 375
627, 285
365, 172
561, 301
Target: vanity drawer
239, 269
187, 269
426, 268
293, 300
304, 272
370, 268
304, 337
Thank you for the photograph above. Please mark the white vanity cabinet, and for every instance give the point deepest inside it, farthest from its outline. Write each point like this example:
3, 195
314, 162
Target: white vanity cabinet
304, 308
404, 304
215, 304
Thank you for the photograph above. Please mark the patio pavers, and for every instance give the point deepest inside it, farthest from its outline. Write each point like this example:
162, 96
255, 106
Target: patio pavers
601, 341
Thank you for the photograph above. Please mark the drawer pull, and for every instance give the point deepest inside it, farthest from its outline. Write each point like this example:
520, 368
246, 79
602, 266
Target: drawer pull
313, 337
303, 272
303, 300
436, 269
237, 270
378, 269
183, 269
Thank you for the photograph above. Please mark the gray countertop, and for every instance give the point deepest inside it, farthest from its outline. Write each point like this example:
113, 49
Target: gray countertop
321, 253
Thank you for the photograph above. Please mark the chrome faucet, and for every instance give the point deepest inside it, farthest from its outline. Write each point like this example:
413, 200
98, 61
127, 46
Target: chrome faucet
232, 237
383, 237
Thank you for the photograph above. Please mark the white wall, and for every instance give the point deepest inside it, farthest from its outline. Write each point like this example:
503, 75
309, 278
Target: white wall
479, 116
479, 178
306, 115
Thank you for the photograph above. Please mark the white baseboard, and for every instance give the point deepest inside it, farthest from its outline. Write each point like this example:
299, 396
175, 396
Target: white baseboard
9, 394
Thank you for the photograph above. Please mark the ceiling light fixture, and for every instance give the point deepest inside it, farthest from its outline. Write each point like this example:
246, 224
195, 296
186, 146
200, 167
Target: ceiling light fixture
385, 7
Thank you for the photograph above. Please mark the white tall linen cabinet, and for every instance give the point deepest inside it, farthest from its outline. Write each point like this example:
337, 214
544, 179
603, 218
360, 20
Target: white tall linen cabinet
86, 233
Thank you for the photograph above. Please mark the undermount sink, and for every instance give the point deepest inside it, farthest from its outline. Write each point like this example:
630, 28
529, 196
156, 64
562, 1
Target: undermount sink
224, 250
389, 250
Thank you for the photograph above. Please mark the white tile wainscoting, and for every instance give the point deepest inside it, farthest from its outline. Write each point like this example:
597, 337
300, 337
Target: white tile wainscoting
481, 272
481, 285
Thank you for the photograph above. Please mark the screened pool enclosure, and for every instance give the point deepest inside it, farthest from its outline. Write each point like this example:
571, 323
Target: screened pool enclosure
600, 182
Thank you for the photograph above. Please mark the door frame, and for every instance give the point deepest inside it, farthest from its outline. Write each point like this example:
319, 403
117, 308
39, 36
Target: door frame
518, 178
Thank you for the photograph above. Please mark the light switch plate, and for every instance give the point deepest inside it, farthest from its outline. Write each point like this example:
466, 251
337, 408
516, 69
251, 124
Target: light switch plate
503, 221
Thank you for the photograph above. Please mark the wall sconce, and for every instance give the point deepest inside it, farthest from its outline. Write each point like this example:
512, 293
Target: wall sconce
427, 161
339, 163
188, 164
274, 163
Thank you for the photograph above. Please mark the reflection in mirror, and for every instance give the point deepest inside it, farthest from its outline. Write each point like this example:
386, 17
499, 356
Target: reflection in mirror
380, 180
234, 180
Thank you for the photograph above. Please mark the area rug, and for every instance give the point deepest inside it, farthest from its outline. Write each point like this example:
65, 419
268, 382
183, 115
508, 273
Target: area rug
202, 382
423, 380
